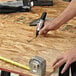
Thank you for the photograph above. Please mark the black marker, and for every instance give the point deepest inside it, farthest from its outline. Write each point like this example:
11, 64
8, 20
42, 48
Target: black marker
40, 25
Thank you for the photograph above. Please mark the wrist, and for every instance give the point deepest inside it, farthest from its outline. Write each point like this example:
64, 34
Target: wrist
57, 22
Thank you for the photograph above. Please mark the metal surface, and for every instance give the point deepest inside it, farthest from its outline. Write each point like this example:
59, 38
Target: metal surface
38, 66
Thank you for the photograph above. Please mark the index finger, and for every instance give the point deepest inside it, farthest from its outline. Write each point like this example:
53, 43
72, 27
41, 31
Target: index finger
59, 58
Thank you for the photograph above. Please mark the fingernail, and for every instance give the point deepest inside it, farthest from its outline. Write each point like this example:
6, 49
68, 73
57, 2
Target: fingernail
62, 72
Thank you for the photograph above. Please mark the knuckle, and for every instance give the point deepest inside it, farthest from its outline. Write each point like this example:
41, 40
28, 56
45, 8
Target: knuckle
68, 62
65, 59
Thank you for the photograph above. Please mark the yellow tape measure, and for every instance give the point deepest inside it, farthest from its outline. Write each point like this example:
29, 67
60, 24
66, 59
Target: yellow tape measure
15, 63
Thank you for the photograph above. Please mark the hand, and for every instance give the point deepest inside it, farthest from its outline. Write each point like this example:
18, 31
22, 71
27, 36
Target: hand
49, 25
69, 57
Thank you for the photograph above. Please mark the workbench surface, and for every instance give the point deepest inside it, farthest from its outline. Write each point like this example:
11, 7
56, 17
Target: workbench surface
15, 31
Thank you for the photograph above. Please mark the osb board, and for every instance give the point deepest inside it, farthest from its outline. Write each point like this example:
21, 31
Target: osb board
15, 31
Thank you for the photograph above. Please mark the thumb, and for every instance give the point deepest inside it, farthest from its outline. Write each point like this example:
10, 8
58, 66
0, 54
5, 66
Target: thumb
43, 31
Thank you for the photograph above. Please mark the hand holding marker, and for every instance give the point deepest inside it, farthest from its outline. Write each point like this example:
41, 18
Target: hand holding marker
40, 25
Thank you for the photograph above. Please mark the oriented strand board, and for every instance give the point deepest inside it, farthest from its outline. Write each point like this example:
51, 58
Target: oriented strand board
15, 31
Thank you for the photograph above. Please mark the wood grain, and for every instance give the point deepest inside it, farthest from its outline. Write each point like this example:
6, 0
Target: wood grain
15, 31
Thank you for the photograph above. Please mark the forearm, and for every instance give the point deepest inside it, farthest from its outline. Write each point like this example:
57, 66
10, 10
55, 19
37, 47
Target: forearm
67, 14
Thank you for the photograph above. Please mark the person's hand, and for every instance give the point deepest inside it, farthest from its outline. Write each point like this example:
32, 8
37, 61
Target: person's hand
69, 57
49, 25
